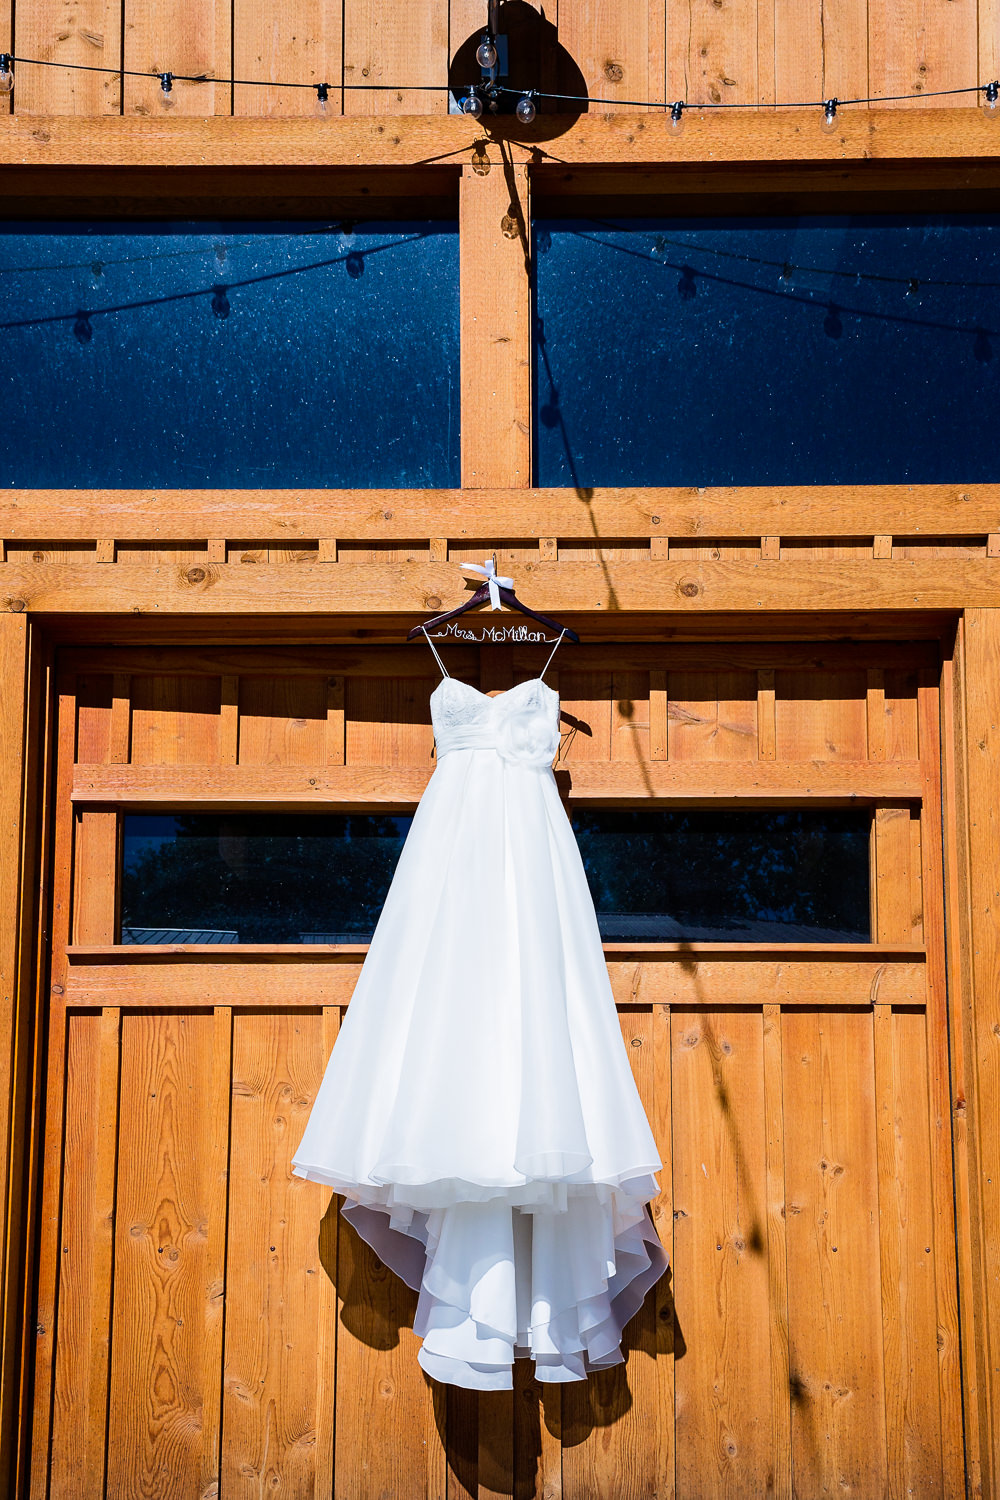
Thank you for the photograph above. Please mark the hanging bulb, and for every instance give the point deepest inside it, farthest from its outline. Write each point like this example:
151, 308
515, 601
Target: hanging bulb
166, 90
913, 287
525, 110
6, 72
677, 115
486, 53
830, 114
322, 99
82, 331
220, 302
991, 92
472, 105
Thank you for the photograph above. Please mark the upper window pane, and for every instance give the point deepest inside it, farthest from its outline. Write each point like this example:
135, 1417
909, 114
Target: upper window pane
189, 356
853, 350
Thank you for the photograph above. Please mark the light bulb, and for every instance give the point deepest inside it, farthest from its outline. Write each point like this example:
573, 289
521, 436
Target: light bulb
830, 114
525, 110
6, 73
322, 98
991, 93
677, 115
166, 90
486, 53
472, 105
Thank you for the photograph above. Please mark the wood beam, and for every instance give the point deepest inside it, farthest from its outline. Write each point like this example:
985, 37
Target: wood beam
574, 589
634, 140
495, 278
976, 911
503, 507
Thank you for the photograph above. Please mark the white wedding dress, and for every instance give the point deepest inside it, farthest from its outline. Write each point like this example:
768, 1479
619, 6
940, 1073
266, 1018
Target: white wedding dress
478, 1111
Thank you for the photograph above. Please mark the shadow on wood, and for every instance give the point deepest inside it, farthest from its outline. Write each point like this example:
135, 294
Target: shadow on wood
535, 61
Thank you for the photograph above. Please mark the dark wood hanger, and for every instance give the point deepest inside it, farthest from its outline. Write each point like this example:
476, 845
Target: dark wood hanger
480, 597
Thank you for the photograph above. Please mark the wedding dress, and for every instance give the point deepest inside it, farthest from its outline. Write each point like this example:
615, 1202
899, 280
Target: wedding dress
478, 1111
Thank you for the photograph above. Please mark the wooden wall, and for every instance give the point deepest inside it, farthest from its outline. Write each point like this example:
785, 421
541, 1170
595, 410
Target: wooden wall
704, 51
206, 1323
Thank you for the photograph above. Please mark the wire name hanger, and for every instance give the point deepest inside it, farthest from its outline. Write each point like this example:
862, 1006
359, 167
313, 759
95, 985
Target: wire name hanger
497, 590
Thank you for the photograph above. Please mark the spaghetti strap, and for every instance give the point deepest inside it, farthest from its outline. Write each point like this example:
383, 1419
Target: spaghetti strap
437, 657
552, 653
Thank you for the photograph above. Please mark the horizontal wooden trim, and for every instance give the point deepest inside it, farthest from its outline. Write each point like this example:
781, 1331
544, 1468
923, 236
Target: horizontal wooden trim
208, 788
285, 517
579, 589
414, 659
189, 978
207, 953
635, 140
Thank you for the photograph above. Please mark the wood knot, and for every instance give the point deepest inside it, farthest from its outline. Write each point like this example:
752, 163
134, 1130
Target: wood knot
432, 601
38, 557
15, 605
688, 589
195, 575
614, 72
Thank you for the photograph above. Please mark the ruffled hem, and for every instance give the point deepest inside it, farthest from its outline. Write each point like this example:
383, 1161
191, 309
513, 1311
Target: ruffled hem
548, 1271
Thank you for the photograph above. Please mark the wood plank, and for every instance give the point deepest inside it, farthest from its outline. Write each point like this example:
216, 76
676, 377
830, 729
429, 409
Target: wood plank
401, 784
13, 972
199, 979
156, 1437
89, 35
283, 721
713, 716
612, 1439
765, 714
658, 716
336, 724
306, 49
583, 588
496, 327
914, 48
326, 1344
186, 516
86, 1266
895, 918
95, 878
609, 41
217, 1111
777, 1254
191, 37
399, 48
835, 1359
966, 1129
716, 136
720, 1245
273, 1270
815, 56
712, 54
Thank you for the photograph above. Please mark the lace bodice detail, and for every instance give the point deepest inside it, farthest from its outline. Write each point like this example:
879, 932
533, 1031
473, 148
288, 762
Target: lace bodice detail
521, 725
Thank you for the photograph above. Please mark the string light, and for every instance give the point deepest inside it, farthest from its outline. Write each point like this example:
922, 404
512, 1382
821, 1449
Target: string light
525, 110
472, 105
830, 114
322, 98
991, 91
486, 53
166, 89
677, 115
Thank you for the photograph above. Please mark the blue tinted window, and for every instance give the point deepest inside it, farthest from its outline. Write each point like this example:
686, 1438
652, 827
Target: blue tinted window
246, 355
768, 351
656, 874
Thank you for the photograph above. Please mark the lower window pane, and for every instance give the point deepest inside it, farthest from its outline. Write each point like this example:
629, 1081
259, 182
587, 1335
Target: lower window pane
656, 874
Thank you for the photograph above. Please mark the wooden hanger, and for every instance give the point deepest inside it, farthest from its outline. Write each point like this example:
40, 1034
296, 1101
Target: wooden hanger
484, 592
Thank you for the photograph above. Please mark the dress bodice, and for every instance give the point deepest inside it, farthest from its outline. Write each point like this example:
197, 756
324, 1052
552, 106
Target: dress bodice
521, 725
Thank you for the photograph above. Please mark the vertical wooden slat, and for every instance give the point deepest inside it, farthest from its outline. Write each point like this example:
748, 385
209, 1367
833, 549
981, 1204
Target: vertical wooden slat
777, 1255
229, 720
326, 1343
96, 877
327, 550
609, 42
712, 53
548, 549
770, 548
882, 549
893, 882
178, 36
120, 736
86, 1259
495, 254
335, 742
665, 1343
168, 1190
939, 1100
398, 47
217, 1233
496, 1445
765, 713
13, 719
721, 1247
914, 47
818, 54
439, 549
955, 824
876, 714
302, 46
55, 1083
834, 1288
658, 738
273, 1271
630, 717
86, 35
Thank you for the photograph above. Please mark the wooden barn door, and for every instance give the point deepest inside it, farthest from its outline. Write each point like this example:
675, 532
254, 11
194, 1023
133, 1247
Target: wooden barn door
206, 1325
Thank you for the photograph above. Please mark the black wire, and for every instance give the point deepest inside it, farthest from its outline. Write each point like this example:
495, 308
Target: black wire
441, 88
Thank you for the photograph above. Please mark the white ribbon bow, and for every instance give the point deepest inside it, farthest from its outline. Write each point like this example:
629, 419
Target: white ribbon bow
489, 572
